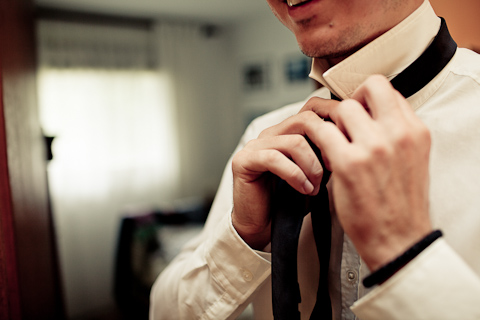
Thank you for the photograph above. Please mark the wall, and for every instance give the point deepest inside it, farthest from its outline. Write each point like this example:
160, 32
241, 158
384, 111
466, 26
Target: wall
210, 129
266, 40
462, 19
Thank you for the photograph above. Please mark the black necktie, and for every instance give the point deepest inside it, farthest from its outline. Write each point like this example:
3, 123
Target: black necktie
289, 207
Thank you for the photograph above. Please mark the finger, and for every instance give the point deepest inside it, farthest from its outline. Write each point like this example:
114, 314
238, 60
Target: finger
296, 148
354, 121
299, 124
378, 97
332, 142
322, 107
250, 165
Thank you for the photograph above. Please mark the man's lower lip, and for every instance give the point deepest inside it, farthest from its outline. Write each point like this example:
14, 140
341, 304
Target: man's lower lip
302, 10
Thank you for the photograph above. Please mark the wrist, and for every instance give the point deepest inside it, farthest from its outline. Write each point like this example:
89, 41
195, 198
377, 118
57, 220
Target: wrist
389, 248
255, 237
386, 271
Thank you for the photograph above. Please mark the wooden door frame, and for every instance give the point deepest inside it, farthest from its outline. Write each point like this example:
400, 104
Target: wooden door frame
9, 289
29, 275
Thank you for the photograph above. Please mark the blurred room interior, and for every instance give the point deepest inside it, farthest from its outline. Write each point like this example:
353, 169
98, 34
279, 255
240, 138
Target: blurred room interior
145, 101
141, 104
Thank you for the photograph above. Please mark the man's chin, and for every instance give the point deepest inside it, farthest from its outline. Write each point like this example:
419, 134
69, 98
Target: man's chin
320, 53
333, 55
320, 47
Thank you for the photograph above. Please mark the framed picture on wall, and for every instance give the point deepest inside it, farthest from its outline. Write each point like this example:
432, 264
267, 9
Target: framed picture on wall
256, 76
297, 68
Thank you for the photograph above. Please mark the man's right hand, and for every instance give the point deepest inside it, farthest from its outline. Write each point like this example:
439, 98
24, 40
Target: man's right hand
283, 151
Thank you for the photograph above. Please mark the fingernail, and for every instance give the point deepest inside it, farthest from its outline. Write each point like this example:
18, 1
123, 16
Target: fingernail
308, 187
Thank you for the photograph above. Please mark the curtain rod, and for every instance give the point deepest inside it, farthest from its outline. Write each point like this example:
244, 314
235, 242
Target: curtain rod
66, 15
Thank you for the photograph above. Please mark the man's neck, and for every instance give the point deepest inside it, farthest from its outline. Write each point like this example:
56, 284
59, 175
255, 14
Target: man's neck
406, 11
388, 54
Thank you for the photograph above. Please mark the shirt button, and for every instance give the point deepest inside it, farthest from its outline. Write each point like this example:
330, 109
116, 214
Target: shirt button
351, 275
247, 275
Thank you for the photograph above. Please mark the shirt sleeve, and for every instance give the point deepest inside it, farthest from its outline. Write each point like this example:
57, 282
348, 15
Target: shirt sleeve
437, 284
216, 274
388, 270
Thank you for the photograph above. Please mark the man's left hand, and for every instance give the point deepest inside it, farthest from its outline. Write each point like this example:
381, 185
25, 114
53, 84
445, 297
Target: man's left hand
378, 152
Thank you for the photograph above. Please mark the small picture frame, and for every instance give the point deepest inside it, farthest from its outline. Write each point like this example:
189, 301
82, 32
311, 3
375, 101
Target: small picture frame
256, 76
297, 69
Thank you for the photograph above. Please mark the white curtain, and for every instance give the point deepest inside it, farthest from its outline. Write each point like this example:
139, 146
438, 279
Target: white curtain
141, 117
113, 152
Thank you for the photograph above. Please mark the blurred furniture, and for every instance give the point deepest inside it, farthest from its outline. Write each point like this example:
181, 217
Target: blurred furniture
147, 242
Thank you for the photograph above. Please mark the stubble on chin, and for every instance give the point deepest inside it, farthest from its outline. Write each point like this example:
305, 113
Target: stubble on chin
337, 47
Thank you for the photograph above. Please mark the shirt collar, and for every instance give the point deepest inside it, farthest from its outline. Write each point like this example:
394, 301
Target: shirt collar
388, 55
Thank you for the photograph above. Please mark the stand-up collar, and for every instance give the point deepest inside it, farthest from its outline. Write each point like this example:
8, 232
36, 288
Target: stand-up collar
388, 55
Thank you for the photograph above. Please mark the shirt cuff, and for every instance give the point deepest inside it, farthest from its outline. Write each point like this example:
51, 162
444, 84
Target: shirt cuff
388, 270
233, 264
437, 284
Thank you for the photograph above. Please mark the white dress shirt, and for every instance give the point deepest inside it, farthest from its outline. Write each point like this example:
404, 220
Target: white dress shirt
217, 275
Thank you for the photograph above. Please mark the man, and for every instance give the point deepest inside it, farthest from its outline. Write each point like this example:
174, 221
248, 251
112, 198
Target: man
400, 169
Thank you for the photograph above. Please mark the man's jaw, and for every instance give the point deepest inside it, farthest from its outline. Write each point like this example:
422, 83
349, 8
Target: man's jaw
294, 3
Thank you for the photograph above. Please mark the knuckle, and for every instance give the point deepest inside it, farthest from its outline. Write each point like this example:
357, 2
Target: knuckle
245, 156
346, 105
305, 115
302, 121
364, 159
293, 123
343, 106
317, 172
412, 137
249, 147
380, 151
294, 175
239, 159
405, 140
268, 156
266, 132
297, 141
311, 104
425, 134
375, 80
371, 86
349, 168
